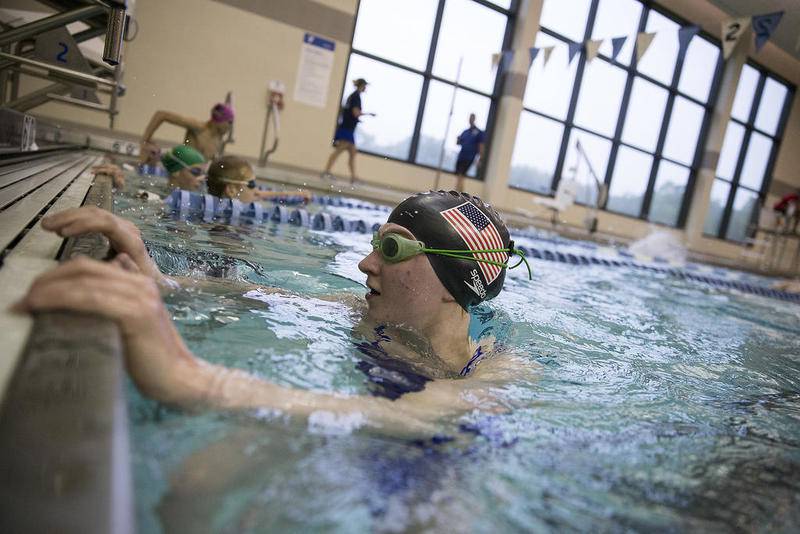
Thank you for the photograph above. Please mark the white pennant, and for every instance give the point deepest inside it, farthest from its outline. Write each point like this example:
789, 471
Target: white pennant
732, 31
547, 51
643, 41
592, 47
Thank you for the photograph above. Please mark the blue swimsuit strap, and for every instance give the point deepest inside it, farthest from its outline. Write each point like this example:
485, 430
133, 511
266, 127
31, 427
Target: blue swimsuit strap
472, 361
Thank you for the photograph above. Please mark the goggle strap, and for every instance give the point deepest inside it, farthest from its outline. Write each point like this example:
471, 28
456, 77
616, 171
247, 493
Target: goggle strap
468, 255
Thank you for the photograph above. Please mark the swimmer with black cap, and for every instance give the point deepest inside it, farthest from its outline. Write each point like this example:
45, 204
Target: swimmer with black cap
439, 254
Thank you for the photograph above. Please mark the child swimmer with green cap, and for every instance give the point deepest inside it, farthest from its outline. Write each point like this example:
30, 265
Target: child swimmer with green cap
438, 254
186, 167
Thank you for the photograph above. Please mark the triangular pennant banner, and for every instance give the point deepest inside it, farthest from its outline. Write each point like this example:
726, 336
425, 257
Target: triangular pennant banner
732, 30
592, 47
547, 51
574, 48
643, 41
764, 25
59, 48
616, 46
506, 59
685, 36
532, 53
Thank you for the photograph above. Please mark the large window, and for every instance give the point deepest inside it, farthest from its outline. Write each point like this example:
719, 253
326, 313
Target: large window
751, 142
412, 53
638, 123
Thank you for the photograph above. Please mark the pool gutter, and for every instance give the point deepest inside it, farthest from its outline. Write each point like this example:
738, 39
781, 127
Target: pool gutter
64, 447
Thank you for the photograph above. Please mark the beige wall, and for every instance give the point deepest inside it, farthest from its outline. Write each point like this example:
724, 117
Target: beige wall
186, 57
189, 53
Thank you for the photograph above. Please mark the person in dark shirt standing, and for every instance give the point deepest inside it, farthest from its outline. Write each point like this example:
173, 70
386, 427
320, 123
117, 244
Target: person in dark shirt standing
471, 141
344, 138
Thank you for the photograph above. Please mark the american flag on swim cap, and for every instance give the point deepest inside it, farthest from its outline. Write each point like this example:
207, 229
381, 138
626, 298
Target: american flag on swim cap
478, 232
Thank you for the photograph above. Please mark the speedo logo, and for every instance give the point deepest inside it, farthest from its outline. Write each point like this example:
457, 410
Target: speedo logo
476, 285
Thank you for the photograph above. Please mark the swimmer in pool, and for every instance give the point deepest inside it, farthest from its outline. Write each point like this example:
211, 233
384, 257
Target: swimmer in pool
205, 136
438, 254
186, 167
233, 177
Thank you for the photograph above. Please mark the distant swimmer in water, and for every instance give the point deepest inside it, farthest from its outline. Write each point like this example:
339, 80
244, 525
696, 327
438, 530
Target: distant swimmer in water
186, 167
233, 177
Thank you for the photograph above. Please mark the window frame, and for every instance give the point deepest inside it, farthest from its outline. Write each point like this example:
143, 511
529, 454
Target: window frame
428, 76
750, 127
616, 140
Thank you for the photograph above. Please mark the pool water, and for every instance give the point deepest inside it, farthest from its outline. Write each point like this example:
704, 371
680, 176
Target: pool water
657, 405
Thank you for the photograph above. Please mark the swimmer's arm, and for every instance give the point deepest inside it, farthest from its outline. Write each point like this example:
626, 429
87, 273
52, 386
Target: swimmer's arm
160, 117
208, 474
164, 369
481, 390
228, 389
123, 236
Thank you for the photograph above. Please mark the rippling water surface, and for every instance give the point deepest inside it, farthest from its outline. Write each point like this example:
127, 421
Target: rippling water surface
659, 405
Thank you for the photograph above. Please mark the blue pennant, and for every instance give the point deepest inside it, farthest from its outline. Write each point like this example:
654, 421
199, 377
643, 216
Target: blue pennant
505, 60
532, 52
574, 48
685, 36
616, 46
764, 25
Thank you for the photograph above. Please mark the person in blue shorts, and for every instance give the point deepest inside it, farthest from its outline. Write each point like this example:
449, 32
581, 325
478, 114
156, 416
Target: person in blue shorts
471, 142
344, 138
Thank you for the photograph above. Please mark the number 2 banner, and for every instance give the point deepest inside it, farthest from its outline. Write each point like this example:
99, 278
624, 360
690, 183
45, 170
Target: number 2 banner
732, 31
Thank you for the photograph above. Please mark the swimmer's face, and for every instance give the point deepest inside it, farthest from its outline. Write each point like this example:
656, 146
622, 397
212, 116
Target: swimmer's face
240, 190
190, 179
408, 292
244, 194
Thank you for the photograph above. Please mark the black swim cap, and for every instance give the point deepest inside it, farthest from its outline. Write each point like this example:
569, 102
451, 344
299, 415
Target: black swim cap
458, 221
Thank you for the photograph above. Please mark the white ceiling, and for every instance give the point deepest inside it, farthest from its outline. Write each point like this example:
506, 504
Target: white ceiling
787, 35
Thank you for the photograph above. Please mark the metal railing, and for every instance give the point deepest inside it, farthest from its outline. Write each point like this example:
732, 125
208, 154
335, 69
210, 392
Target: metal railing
107, 17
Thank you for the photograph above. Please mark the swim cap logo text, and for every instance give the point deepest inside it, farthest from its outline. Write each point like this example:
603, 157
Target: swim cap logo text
476, 285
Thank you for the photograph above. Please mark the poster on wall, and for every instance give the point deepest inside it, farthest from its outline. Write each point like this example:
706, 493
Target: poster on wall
314, 71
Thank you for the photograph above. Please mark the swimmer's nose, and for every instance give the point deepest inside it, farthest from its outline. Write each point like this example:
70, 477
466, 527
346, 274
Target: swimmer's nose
371, 264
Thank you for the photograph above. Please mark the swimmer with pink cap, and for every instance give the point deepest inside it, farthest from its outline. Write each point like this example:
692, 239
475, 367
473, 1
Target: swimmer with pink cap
205, 136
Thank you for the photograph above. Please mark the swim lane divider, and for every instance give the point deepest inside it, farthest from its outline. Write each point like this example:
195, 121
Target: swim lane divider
209, 207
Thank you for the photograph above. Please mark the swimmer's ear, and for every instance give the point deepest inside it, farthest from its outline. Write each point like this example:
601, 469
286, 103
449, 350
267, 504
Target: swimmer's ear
446, 296
231, 191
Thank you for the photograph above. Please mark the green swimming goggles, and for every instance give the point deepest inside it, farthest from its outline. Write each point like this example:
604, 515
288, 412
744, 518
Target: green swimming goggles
395, 248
